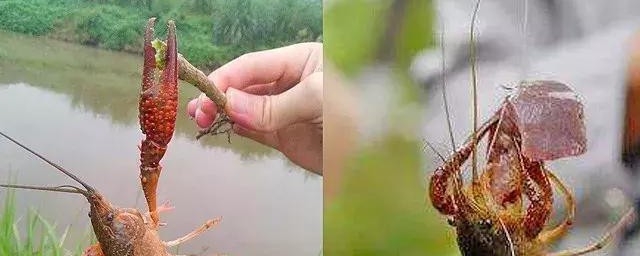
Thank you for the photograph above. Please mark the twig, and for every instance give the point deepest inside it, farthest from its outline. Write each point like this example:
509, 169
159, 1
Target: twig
197, 78
194, 76
222, 125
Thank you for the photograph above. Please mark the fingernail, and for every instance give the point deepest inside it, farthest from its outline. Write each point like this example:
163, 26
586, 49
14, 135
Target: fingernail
199, 102
203, 120
239, 104
239, 101
208, 107
191, 107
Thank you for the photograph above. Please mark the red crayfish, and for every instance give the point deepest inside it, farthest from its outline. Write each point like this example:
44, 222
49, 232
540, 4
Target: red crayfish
540, 121
126, 231
505, 210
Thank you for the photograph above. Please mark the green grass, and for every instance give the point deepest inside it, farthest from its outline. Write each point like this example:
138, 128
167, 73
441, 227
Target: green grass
31, 235
210, 33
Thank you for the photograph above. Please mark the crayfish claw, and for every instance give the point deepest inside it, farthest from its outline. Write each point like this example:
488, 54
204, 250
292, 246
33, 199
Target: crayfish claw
149, 56
158, 108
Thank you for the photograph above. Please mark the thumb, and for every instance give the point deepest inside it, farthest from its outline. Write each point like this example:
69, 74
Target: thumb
268, 113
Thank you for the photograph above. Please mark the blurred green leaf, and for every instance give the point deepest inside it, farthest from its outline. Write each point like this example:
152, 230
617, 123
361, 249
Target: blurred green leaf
352, 33
381, 209
417, 32
355, 31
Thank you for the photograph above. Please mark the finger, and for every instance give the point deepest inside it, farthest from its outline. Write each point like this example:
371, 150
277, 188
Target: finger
207, 106
301, 103
284, 66
267, 139
264, 89
203, 120
191, 107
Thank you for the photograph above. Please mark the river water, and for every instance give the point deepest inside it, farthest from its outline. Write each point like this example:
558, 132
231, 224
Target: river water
78, 106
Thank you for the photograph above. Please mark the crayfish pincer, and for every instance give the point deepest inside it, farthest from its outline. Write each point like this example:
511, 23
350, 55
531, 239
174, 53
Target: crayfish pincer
158, 109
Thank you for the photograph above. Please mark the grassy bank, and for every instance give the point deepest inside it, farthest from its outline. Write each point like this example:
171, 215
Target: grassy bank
31, 235
210, 33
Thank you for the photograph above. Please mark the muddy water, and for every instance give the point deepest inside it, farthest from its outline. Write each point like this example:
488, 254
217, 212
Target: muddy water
78, 106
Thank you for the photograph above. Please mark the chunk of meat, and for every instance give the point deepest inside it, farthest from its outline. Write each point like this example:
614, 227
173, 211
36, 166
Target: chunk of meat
550, 119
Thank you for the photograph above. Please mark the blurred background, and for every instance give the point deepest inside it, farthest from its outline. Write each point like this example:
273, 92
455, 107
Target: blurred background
69, 87
374, 163
386, 75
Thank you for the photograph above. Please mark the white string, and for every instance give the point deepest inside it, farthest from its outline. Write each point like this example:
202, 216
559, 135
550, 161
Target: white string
506, 232
525, 43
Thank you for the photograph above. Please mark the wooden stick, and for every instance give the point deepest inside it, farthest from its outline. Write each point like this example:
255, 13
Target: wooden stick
192, 75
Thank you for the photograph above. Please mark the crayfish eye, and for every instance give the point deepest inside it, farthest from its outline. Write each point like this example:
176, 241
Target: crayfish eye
451, 221
486, 223
110, 217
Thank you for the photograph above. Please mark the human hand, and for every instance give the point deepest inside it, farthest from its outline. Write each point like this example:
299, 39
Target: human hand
275, 98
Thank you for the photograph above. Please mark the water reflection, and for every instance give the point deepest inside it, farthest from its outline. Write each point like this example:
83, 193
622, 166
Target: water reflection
104, 82
78, 106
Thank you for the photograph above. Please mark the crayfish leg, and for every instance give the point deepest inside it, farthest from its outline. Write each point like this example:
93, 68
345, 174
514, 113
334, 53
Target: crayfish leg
93, 250
538, 190
503, 173
441, 182
206, 226
439, 186
627, 218
553, 234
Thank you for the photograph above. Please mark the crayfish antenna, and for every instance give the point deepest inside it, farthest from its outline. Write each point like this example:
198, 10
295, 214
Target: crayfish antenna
443, 75
69, 174
63, 189
429, 145
474, 89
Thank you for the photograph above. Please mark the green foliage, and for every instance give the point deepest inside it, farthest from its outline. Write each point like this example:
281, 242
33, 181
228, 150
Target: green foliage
28, 16
40, 236
414, 38
352, 45
380, 206
255, 24
210, 32
159, 7
108, 26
